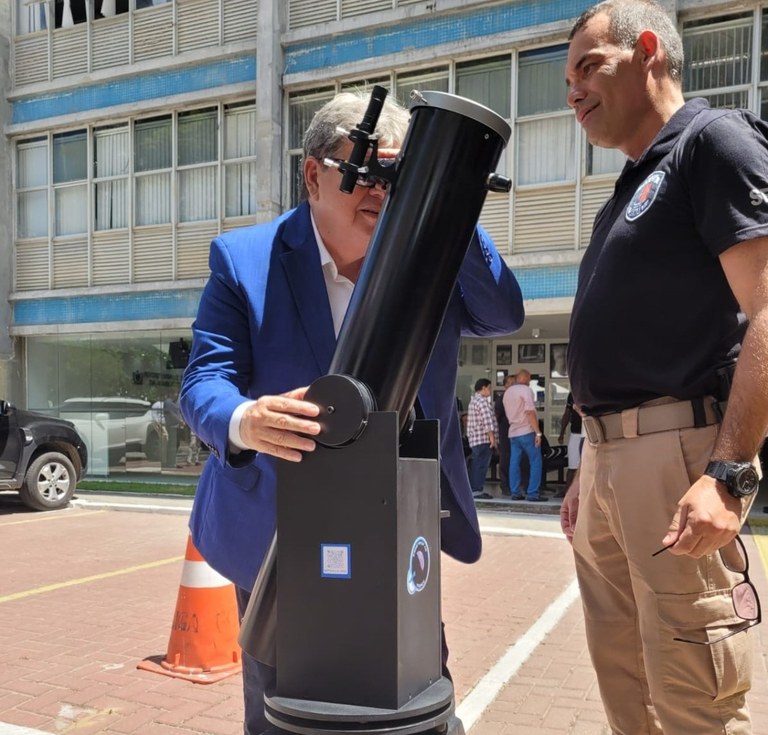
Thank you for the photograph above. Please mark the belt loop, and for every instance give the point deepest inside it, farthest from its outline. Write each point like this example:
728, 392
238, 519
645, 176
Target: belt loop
719, 408
629, 418
699, 413
594, 429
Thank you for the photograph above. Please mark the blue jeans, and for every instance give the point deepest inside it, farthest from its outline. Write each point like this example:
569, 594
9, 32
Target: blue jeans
517, 445
481, 458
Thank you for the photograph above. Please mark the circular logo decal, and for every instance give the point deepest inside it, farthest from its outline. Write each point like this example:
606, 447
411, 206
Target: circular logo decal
418, 569
644, 196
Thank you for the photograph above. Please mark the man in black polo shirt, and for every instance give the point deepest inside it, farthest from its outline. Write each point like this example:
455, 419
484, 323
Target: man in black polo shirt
672, 289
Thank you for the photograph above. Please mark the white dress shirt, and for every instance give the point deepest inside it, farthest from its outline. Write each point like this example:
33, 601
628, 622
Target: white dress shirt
339, 290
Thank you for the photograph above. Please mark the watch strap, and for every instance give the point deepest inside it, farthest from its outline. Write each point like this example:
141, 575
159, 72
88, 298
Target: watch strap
718, 470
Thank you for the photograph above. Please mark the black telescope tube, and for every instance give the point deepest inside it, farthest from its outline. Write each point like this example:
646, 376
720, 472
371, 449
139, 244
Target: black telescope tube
443, 173
451, 149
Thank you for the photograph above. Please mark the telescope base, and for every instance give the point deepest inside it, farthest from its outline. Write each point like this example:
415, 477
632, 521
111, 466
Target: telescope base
431, 711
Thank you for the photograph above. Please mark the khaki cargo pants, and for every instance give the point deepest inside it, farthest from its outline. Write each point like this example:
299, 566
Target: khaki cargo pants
635, 603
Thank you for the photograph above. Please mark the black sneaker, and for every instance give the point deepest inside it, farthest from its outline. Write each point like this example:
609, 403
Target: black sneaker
516, 497
537, 500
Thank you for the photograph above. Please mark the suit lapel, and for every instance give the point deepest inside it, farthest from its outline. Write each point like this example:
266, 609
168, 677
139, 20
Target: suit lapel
301, 262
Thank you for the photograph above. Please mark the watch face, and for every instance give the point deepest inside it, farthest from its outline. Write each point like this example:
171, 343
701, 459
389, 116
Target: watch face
746, 481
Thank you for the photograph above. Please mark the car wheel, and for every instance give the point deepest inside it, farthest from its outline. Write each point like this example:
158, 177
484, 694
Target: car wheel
49, 483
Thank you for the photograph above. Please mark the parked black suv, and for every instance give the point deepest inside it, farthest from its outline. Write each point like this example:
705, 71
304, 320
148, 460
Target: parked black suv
40, 456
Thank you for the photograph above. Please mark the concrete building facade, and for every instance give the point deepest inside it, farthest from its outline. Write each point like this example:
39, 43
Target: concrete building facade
136, 130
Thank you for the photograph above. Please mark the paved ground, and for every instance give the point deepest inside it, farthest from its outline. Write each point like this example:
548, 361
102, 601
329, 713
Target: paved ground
88, 592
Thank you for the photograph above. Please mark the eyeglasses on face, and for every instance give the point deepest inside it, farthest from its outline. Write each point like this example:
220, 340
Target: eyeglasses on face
746, 603
364, 179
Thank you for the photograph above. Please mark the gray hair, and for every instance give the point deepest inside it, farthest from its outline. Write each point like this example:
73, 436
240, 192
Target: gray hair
627, 19
346, 110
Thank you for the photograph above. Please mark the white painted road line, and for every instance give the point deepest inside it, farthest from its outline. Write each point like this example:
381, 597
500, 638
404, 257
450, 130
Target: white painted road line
6, 729
487, 689
138, 507
504, 531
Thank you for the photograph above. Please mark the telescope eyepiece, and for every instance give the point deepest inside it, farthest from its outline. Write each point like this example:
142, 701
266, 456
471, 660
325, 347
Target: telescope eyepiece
498, 183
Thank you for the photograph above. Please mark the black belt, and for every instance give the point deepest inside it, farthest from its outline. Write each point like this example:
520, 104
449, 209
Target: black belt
653, 418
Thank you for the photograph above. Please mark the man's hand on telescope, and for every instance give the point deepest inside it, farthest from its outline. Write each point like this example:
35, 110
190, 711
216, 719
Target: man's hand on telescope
273, 424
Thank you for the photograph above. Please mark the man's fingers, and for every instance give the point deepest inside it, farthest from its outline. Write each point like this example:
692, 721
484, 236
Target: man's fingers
284, 422
286, 453
673, 532
283, 444
291, 406
289, 440
696, 538
568, 513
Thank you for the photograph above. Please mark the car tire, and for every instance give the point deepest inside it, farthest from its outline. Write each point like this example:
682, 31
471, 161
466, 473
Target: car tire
49, 483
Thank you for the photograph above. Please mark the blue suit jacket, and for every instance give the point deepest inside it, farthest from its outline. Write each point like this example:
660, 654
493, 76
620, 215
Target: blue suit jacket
264, 327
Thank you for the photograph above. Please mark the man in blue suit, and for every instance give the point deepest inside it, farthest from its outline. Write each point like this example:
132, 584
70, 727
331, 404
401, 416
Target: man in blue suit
267, 327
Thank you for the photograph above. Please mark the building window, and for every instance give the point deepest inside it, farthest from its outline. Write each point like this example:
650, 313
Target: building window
239, 160
32, 188
718, 60
546, 130
424, 80
301, 109
152, 161
604, 160
32, 16
111, 166
70, 173
197, 157
35, 15
108, 8
70, 12
139, 173
487, 82
763, 88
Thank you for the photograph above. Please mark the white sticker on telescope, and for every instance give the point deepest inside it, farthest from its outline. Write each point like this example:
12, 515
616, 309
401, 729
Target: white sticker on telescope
336, 561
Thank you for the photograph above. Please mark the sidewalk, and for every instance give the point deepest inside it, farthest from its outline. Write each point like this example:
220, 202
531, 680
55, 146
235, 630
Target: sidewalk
503, 503
87, 593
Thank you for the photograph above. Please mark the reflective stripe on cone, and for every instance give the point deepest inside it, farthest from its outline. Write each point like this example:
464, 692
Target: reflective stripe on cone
203, 644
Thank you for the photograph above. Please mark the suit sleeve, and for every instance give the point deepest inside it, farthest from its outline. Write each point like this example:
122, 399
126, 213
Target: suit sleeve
490, 293
217, 376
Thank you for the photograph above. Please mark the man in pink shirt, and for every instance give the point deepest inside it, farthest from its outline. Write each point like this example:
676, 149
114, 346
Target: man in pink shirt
524, 436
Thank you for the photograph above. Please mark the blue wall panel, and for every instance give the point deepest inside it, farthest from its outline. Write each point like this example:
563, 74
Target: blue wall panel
536, 283
427, 32
137, 88
107, 308
548, 282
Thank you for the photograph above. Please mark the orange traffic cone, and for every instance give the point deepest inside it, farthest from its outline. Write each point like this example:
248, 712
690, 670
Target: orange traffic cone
203, 645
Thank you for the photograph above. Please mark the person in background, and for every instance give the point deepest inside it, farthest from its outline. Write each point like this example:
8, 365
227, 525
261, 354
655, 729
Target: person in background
524, 437
571, 417
172, 421
672, 289
503, 437
481, 434
193, 450
266, 328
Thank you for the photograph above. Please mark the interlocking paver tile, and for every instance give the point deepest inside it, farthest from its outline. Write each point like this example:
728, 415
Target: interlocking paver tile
68, 655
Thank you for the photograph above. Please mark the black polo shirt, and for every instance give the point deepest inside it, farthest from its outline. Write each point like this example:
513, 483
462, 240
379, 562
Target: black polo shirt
654, 314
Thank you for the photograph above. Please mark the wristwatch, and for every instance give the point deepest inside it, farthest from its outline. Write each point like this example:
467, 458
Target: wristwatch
739, 478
